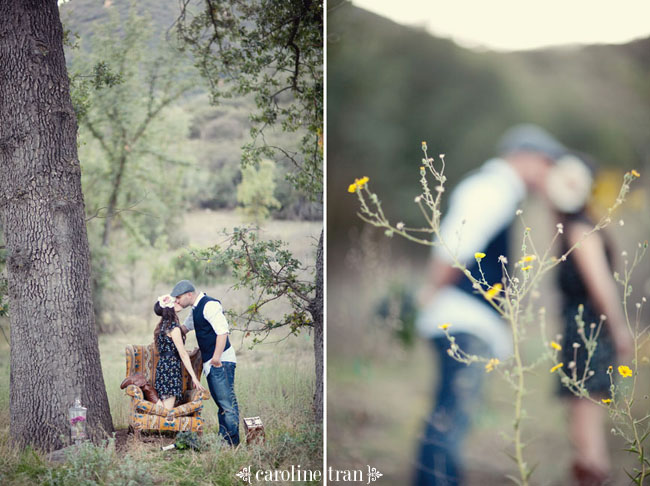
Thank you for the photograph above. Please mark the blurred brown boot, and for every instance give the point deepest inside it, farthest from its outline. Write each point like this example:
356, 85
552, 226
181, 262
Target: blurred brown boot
587, 476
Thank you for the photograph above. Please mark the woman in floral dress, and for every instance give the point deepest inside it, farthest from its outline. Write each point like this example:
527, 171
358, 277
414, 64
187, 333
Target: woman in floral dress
169, 342
589, 289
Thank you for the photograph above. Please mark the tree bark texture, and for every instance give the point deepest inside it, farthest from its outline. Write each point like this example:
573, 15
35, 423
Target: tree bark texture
54, 348
316, 311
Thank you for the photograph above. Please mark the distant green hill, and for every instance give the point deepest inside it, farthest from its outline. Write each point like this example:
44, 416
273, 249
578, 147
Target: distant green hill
391, 87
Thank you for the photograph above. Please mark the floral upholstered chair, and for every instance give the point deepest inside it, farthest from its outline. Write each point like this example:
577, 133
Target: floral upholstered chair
147, 416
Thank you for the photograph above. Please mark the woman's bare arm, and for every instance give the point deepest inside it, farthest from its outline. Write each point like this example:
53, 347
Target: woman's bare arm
177, 337
591, 262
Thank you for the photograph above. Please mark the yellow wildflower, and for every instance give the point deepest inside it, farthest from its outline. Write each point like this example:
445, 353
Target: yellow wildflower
362, 182
606, 400
526, 268
609, 369
491, 365
625, 371
496, 288
358, 184
556, 346
556, 367
528, 229
529, 258
479, 255
635, 173
444, 326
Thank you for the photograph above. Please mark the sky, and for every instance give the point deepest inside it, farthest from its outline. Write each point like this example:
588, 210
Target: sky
521, 24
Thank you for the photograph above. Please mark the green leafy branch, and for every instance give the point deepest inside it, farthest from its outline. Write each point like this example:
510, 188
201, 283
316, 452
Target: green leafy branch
271, 274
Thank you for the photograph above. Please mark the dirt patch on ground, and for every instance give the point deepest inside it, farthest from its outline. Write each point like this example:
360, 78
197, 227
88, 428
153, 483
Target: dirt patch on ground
125, 440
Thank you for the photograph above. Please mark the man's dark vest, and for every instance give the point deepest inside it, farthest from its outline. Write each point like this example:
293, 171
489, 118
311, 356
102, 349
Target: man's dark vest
490, 265
205, 335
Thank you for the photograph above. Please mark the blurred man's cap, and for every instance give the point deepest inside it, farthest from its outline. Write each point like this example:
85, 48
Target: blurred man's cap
530, 138
182, 287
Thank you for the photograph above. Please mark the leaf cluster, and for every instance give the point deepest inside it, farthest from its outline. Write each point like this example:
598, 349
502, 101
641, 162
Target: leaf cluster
273, 50
271, 274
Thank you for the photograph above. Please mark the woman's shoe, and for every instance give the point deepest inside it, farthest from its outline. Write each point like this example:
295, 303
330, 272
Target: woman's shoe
587, 476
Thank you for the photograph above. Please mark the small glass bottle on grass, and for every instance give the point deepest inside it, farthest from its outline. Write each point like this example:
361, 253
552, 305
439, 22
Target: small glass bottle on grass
77, 414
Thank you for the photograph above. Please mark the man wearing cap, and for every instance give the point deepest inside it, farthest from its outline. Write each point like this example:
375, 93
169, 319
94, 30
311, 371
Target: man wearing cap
219, 360
481, 209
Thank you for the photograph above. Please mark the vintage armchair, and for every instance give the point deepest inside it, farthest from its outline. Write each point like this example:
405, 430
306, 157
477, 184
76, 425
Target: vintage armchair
147, 416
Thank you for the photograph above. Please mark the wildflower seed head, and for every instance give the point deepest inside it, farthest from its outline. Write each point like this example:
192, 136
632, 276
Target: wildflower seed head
592, 325
440, 189
603, 317
644, 300
623, 253
519, 212
621, 222
560, 228
563, 258
638, 305
572, 364
591, 373
576, 345
399, 226
417, 199
503, 260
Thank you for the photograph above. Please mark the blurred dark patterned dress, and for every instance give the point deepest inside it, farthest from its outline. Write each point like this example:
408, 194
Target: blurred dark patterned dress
168, 370
574, 292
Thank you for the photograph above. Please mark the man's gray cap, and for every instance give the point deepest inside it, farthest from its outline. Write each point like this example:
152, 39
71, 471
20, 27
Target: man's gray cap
182, 287
530, 138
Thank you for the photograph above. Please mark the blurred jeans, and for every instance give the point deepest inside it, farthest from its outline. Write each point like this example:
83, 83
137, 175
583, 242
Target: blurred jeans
221, 382
457, 395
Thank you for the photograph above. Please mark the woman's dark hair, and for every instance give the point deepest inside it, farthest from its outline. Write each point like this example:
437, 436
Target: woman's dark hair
167, 314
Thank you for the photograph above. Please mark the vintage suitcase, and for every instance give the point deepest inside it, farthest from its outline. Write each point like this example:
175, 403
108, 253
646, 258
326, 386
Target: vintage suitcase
254, 430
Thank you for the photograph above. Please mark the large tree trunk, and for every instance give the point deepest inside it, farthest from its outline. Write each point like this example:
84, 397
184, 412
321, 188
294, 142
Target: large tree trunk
54, 349
316, 311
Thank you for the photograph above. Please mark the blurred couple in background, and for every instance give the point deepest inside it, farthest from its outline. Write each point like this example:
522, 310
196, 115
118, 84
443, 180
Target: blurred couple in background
478, 226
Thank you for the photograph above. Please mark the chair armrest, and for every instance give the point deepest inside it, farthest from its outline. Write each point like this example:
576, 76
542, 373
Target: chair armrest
135, 392
194, 395
146, 406
186, 408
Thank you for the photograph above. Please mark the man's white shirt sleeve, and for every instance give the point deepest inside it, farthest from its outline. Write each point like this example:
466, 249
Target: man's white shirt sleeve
213, 312
189, 321
481, 206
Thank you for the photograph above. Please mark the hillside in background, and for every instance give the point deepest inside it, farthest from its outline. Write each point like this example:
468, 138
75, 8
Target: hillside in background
216, 132
391, 87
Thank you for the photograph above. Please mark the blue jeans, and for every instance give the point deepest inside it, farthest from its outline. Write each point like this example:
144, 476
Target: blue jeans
221, 382
458, 393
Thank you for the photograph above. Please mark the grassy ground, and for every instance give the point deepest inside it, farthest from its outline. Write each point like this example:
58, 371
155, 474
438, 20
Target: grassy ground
275, 381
